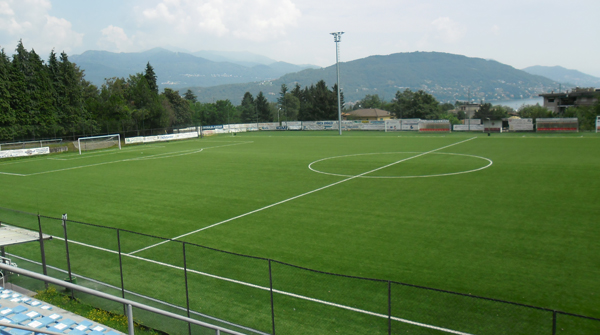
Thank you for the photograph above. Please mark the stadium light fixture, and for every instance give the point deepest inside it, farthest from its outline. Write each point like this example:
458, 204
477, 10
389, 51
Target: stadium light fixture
337, 38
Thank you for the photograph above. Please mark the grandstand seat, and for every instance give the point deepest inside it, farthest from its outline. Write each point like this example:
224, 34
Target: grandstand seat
19, 309
83, 325
6, 311
98, 329
33, 314
20, 332
33, 303
19, 318
41, 323
62, 326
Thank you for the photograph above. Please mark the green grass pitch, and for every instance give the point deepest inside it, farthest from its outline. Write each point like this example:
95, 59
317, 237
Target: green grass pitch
509, 216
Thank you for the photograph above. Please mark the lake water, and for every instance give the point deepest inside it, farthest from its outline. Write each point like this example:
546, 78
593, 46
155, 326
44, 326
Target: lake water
516, 104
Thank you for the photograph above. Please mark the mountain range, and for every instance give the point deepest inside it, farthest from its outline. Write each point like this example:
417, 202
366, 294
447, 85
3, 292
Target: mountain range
217, 75
177, 69
566, 76
448, 77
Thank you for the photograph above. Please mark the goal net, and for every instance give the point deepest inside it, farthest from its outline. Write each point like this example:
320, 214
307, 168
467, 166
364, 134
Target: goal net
435, 126
597, 123
98, 142
557, 124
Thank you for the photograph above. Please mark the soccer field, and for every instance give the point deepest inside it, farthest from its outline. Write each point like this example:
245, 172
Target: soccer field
511, 217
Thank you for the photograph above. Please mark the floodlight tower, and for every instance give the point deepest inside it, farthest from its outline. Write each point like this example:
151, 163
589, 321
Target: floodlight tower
337, 38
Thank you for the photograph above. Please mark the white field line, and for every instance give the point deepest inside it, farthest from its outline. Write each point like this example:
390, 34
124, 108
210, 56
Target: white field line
300, 196
13, 174
155, 156
402, 177
362, 311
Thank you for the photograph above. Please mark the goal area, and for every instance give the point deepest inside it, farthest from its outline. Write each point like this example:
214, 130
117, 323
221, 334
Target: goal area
98, 142
557, 124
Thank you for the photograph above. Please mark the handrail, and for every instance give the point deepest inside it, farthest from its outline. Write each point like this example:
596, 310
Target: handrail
123, 301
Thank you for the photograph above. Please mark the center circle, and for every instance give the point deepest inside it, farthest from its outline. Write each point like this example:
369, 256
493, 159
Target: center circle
433, 164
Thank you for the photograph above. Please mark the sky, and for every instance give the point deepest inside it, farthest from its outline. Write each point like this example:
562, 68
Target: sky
518, 33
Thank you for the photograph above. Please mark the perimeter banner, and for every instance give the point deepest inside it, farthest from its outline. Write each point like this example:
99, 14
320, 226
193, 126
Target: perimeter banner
24, 152
160, 138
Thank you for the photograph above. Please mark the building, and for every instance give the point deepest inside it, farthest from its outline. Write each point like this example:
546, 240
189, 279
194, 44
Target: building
557, 103
370, 114
468, 108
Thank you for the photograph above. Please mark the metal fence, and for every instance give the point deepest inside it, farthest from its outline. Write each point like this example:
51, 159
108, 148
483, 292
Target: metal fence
255, 295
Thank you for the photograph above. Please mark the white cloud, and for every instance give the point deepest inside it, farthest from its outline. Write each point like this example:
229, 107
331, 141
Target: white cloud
29, 20
115, 39
448, 30
254, 20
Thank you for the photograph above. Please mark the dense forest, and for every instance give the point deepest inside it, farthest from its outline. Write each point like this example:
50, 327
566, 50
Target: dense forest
53, 99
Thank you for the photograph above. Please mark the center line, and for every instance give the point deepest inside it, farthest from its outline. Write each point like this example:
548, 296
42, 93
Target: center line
298, 196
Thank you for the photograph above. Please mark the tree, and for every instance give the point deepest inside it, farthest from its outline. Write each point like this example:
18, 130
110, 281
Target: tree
418, 105
262, 108
369, 101
282, 101
180, 106
248, 109
151, 78
190, 96
534, 112
7, 115
487, 111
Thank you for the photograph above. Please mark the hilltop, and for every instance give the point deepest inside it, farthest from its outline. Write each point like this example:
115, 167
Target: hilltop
178, 69
565, 76
448, 77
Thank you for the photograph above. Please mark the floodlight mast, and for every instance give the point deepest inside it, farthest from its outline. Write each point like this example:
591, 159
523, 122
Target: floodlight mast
337, 38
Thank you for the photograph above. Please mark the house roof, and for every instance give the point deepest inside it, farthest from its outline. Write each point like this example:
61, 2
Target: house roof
370, 112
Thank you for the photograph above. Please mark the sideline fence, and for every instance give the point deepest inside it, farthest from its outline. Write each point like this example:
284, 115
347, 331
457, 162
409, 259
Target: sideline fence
255, 295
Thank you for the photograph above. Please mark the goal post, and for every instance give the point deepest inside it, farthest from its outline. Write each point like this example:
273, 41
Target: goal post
98, 142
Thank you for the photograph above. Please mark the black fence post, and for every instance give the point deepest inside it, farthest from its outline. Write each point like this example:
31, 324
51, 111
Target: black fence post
553, 322
187, 292
42, 250
121, 269
271, 290
389, 307
64, 224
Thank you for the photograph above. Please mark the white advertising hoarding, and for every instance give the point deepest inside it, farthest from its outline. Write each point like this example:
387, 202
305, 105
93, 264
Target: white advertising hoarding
24, 152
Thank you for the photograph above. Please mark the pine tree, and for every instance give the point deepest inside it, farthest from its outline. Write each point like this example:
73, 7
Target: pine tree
151, 78
262, 108
7, 115
248, 109
190, 96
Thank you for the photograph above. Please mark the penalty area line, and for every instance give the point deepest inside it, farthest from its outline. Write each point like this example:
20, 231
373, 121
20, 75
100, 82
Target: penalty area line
299, 196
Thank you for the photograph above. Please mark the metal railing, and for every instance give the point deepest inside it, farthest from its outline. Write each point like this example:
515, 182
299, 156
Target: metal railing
258, 295
127, 303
